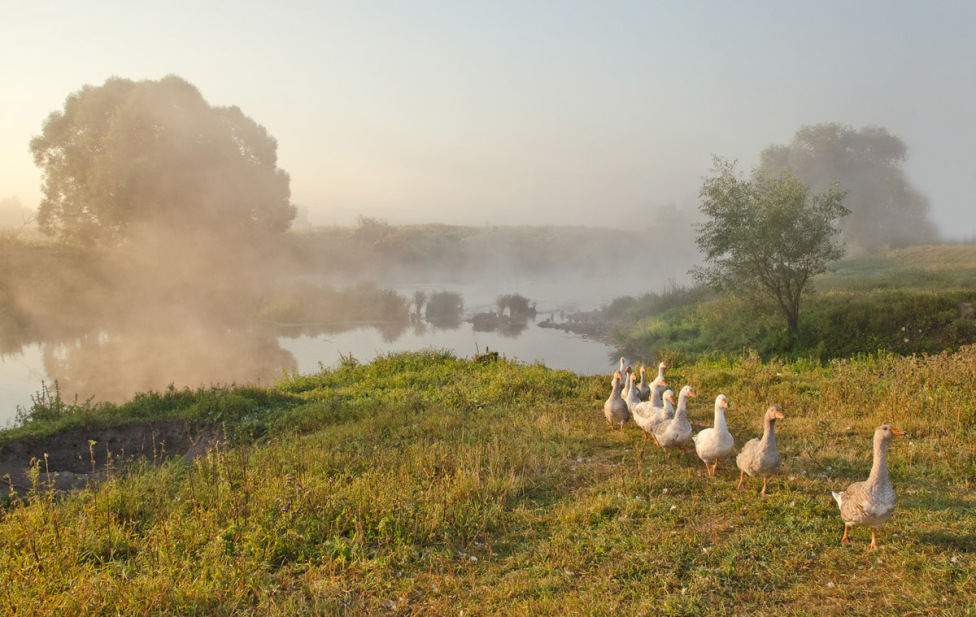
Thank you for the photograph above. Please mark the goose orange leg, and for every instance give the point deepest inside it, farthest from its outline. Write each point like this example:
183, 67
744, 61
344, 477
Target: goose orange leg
763, 493
844, 540
874, 540
742, 482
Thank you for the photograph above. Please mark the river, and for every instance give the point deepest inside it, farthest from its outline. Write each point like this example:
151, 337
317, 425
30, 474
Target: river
112, 365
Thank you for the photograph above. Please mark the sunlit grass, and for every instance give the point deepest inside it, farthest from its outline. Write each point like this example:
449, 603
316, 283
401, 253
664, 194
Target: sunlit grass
908, 301
426, 484
916, 268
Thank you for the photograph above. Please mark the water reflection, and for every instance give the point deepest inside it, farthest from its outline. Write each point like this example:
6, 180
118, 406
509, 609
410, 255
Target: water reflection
112, 358
507, 325
510, 318
112, 365
444, 310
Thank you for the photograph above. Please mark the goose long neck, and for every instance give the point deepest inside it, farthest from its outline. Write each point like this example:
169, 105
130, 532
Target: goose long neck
720, 419
769, 432
879, 471
657, 390
682, 410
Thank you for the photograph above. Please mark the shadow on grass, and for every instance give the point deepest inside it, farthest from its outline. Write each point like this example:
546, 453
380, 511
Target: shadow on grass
947, 541
931, 495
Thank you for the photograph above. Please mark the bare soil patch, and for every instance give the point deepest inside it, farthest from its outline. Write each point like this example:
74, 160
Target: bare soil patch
71, 459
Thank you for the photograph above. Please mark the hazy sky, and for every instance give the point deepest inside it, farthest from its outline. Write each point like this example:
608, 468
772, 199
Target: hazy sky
519, 112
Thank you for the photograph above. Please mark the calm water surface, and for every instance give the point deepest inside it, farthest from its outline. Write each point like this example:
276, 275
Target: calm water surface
111, 366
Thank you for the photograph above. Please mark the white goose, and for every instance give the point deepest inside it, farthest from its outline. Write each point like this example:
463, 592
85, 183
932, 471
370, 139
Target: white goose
761, 457
655, 397
632, 393
713, 443
668, 399
872, 502
645, 390
646, 414
648, 418
672, 433
615, 407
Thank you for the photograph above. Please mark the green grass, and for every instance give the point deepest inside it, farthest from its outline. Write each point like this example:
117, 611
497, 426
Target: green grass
426, 484
917, 268
909, 301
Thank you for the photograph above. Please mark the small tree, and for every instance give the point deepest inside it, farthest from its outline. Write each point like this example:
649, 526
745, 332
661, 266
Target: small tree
768, 235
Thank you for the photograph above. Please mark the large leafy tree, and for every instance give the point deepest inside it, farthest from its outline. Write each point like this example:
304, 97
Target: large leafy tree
766, 235
886, 211
154, 154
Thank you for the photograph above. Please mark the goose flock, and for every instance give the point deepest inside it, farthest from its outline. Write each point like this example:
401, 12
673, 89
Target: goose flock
652, 408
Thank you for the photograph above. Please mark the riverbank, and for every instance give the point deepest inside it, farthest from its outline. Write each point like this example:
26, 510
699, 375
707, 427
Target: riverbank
427, 483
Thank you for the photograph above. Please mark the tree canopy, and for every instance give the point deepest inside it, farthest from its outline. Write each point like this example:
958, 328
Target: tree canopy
767, 235
127, 154
885, 210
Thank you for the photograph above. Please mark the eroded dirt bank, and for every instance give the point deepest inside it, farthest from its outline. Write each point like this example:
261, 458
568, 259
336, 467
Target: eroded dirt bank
73, 458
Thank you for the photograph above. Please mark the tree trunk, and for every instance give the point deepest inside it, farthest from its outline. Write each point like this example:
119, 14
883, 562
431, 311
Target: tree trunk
793, 322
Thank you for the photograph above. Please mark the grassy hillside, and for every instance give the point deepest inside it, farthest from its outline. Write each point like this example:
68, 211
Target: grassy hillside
424, 484
914, 300
916, 268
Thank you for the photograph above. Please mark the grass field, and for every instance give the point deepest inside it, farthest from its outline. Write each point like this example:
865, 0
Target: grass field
917, 268
907, 301
421, 484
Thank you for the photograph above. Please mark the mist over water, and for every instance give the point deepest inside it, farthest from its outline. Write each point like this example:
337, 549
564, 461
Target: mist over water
183, 307
114, 362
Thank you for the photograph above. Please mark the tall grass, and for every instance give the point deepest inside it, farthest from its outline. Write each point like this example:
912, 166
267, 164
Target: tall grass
425, 484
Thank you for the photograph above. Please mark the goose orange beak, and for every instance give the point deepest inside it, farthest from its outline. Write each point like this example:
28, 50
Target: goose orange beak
779, 414
897, 432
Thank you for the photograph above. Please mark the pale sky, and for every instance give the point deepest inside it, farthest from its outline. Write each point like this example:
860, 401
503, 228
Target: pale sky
519, 112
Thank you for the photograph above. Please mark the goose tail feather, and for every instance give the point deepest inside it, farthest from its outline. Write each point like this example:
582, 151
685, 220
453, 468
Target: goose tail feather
839, 498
